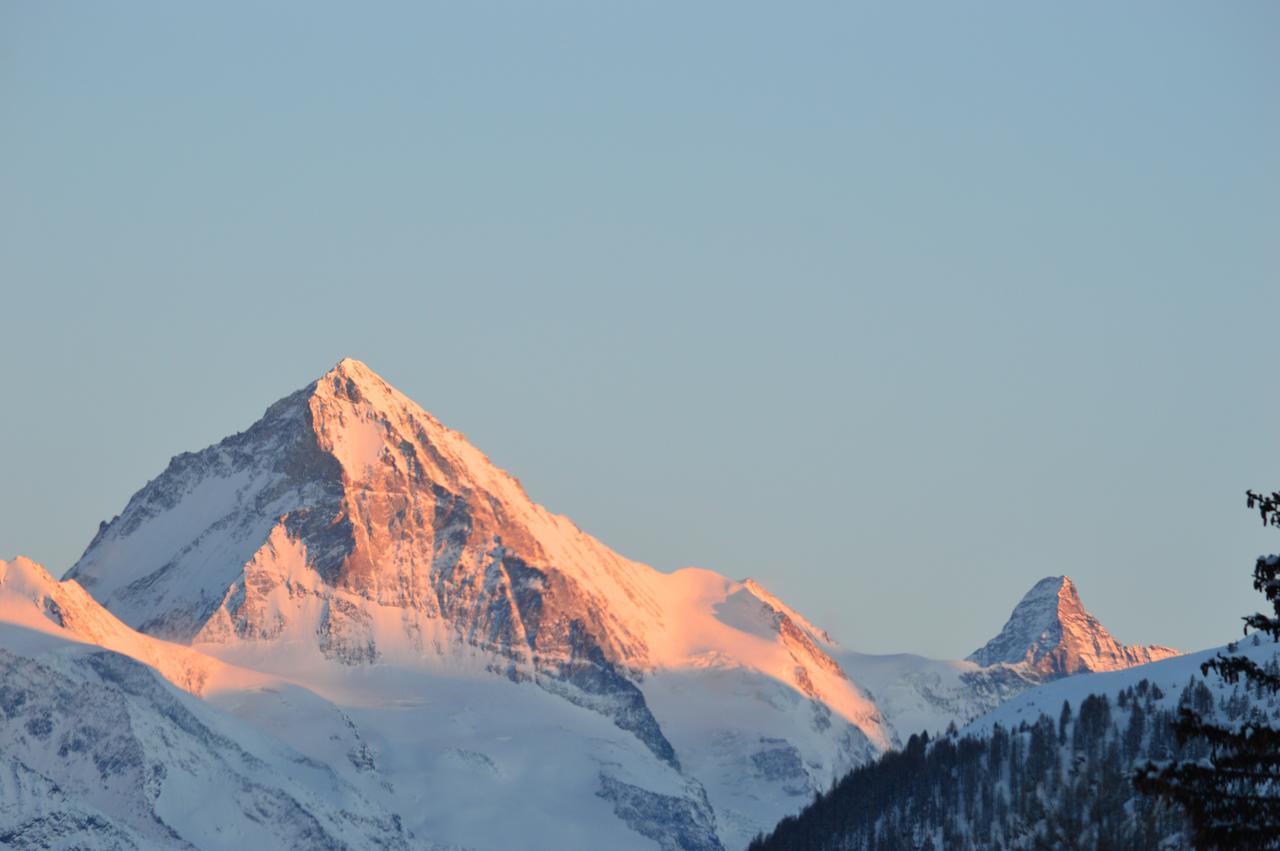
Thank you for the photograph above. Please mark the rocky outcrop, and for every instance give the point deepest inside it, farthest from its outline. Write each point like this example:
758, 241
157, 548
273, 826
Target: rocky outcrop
675, 823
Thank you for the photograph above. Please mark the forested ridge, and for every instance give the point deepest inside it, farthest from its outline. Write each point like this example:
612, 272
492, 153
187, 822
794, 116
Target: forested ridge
1059, 782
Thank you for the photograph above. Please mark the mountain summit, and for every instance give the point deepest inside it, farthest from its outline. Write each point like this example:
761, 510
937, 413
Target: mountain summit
1051, 633
349, 534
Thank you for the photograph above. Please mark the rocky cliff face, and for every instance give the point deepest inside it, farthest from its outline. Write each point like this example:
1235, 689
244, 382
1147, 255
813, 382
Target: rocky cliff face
1051, 634
377, 500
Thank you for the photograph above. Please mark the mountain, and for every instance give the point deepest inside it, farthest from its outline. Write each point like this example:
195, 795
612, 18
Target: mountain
364, 634
352, 544
1051, 634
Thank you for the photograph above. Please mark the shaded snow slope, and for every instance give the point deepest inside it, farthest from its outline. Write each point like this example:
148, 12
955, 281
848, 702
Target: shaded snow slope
98, 750
919, 694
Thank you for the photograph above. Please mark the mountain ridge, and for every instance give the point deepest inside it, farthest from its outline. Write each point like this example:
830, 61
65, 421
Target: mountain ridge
352, 546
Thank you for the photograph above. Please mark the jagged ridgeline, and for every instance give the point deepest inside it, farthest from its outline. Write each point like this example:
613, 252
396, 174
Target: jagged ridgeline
1059, 780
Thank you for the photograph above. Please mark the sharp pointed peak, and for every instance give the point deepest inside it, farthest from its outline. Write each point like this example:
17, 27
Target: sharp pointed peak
1051, 631
1055, 583
355, 380
1050, 589
354, 370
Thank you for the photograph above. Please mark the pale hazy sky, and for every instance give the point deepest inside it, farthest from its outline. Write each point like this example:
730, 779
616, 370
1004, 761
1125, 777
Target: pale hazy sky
897, 308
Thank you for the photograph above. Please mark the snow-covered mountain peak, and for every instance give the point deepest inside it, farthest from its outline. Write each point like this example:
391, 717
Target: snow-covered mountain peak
1052, 633
1051, 601
349, 484
349, 533
356, 370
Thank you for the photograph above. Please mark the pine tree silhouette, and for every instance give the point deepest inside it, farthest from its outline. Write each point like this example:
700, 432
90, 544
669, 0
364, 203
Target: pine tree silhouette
1232, 798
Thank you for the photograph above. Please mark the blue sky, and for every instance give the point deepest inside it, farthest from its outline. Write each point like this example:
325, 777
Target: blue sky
896, 308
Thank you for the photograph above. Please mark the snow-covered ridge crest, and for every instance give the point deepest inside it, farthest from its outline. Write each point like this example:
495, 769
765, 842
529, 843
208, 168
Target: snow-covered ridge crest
1051, 633
32, 599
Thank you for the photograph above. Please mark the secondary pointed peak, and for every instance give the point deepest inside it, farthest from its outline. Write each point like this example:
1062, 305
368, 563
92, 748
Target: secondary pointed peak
1051, 632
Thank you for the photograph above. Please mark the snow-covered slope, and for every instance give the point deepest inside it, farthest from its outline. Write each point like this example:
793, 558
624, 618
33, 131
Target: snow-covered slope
1051, 633
1171, 676
97, 750
919, 694
349, 534
31, 598
402, 756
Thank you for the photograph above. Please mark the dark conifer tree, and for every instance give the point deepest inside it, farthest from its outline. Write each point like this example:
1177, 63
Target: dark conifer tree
1233, 800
